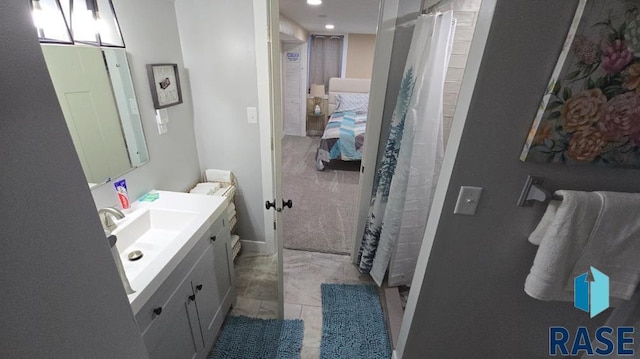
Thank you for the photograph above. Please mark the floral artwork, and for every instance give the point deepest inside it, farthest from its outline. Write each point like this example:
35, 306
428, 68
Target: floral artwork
590, 113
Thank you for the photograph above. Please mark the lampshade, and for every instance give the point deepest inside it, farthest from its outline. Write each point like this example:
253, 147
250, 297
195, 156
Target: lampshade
50, 21
317, 90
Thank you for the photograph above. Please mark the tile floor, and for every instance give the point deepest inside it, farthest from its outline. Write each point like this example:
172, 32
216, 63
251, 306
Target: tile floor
303, 274
256, 286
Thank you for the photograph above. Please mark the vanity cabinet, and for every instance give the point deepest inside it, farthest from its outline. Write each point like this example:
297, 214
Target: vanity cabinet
183, 317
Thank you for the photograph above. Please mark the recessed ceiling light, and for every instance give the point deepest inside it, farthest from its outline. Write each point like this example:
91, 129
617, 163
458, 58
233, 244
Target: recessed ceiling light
329, 27
314, 2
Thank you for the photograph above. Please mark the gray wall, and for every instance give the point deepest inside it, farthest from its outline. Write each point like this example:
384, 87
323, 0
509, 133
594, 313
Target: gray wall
218, 44
472, 303
61, 294
150, 32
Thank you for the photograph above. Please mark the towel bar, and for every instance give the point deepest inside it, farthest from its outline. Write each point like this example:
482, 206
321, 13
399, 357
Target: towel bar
533, 192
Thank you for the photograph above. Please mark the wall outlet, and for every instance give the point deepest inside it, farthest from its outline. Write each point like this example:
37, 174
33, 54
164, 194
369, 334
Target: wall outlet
252, 115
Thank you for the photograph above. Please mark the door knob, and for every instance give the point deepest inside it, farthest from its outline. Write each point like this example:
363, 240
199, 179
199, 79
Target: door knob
287, 203
268, 204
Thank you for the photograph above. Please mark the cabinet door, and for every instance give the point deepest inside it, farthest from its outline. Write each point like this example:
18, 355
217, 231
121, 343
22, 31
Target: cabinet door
211, 283
207, 297
174, 333
223, 262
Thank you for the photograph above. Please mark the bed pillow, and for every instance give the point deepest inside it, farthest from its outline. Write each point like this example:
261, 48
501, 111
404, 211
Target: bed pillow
352, 102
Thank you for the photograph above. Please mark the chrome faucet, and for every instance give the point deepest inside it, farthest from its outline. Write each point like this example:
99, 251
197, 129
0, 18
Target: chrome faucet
107, 222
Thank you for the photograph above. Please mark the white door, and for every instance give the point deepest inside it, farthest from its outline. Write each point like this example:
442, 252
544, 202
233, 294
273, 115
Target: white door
266, 16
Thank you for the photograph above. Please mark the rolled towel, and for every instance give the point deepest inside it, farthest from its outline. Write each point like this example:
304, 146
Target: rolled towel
213, 175
561, 245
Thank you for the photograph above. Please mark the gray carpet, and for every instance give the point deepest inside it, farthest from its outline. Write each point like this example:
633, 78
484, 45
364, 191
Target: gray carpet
324, 202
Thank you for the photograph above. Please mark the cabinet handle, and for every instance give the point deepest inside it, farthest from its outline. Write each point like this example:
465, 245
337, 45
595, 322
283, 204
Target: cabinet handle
213, 238
199, 287
157, 311
192, 297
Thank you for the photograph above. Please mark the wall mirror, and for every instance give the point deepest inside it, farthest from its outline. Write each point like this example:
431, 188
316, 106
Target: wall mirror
96, 94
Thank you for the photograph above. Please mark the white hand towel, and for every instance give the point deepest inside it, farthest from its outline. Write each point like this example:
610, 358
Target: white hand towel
561, 245
547, 219
218, 176
614, 244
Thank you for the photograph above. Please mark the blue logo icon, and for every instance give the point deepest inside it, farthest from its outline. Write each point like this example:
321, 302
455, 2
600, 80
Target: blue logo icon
591, 296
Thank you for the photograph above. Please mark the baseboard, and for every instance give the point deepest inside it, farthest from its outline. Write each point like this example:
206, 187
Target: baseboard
255, 247
394, 312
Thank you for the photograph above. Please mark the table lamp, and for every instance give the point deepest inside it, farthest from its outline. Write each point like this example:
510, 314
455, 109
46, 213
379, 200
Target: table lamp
317, 91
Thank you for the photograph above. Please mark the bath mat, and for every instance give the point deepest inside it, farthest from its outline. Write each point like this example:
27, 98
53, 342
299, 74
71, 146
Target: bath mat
250, 338
353, 323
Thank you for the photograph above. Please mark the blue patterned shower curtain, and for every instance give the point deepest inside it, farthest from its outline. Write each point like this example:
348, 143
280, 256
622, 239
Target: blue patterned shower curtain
409, 168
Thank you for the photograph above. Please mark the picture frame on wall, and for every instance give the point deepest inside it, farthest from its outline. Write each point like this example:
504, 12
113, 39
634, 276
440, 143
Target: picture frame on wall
164, 81
590, 111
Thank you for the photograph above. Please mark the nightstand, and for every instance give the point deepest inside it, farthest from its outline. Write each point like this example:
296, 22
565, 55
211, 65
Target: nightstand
315, 124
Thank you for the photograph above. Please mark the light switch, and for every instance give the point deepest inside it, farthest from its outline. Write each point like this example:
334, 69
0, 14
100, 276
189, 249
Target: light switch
162, 128
468, 199
162, 116
252, 115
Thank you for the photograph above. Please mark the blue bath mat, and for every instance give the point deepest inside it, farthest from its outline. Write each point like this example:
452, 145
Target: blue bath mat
352, 323
250, 338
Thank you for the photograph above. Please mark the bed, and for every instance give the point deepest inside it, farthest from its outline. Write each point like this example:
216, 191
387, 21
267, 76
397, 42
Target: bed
343, 137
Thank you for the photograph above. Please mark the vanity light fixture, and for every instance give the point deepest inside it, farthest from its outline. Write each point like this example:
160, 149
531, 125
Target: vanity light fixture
91, 22
50, 22
314, 2
94, 22
329, 26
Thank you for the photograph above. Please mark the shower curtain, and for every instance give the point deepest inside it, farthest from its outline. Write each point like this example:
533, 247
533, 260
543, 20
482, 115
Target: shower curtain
409, 169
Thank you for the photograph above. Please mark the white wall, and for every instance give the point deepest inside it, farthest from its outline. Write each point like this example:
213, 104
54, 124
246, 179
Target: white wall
218, 44
61, 293
150, 32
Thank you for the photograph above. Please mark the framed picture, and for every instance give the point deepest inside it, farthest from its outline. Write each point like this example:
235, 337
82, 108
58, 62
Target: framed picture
165, 85
590, 112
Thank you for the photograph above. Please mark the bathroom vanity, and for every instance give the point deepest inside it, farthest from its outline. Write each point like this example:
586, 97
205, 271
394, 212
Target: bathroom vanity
184, 281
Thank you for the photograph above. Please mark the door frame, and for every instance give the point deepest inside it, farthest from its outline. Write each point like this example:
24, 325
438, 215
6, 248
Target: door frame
267, 44
387, 15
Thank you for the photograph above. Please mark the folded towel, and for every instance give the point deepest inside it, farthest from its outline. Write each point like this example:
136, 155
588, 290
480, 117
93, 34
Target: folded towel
231, 214
209, 185
614, 244
218, 176
561, 245
205, 191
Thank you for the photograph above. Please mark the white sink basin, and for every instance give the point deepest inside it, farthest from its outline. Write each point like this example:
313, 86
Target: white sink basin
151, 232
164, 231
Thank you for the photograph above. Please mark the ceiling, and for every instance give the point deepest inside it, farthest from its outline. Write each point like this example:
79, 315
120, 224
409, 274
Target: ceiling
348, 16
